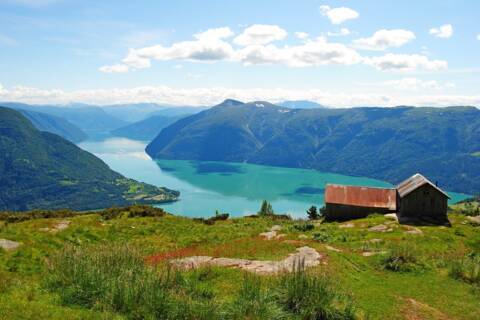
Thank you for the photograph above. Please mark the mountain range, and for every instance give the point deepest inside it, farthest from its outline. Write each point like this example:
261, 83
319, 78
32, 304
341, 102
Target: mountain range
41, 170
384, 143
56, 125
147, 129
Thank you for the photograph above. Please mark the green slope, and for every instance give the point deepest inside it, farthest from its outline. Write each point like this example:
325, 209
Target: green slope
42, 170
384, 143
146, 129
56, 125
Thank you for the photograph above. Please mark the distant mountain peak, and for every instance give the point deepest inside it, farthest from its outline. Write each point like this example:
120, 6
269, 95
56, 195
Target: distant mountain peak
301, 104
231, 102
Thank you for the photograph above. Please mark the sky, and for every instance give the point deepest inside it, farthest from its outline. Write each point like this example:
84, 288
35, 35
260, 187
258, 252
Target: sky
191, 52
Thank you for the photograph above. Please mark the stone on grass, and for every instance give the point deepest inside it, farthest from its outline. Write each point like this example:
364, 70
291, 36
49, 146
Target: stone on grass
9, 244
372, 253
392, 216
332, 248
413, 230
474, 220
276, 228
304, 256
269, 235
380, 228
347, 225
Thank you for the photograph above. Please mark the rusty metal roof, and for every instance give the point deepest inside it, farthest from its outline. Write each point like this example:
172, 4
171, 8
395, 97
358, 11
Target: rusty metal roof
361, 196
415, 182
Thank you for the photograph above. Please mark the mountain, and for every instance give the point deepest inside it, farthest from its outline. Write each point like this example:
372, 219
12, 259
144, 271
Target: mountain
147, 129
93, 120
179, 111
384, 143
133, 112
301, 104
56, 125
41, 170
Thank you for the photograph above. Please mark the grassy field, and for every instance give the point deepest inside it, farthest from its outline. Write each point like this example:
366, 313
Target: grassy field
114, 265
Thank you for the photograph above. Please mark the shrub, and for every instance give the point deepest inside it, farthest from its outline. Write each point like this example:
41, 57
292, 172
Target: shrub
304, 227
466, 269
313, 297
402, 257
132, 212
321, 237
211, 221
254, 302
312, 213
115, 278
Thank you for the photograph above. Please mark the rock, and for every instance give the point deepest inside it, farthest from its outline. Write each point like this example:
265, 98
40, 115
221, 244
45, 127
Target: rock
62, 225
474, 220
8, 244
413, 230
269, 235
302, 236
191, 262
373, 241
372, 253
305, 256
276, 228
392, 216
347, 225
332, 249
380, 228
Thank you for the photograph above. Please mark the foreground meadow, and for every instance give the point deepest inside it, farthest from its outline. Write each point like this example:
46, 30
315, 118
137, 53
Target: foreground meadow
116, 264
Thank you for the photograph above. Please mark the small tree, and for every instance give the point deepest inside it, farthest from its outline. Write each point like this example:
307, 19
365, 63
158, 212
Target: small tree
266, 209
312, 213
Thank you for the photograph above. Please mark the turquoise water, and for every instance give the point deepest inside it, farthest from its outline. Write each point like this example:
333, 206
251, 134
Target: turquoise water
236, 188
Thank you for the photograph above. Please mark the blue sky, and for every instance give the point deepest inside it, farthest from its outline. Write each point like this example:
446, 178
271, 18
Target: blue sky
339, 53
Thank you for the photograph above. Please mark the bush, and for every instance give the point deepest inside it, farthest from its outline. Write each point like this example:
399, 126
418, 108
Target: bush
466, 269
304, 227
132, 212
313, 297
211, 221
402, 258
115, 278
254, 302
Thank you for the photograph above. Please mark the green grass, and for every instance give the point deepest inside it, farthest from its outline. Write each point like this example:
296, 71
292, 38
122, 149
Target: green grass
56, 274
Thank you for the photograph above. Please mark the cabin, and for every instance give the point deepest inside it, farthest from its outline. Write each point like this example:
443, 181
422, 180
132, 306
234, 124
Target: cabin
352, 202
419, 199
415, 199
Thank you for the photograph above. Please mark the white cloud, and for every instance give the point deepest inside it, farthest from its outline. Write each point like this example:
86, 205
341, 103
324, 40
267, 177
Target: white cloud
384, 39
405, 62
301, 35
260, 34
214, 95
445, 31
312, 53
338, 15
216, 33
341, 33
116, 68
414, 84
207, 46
478, 36
178, 66
257, 49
